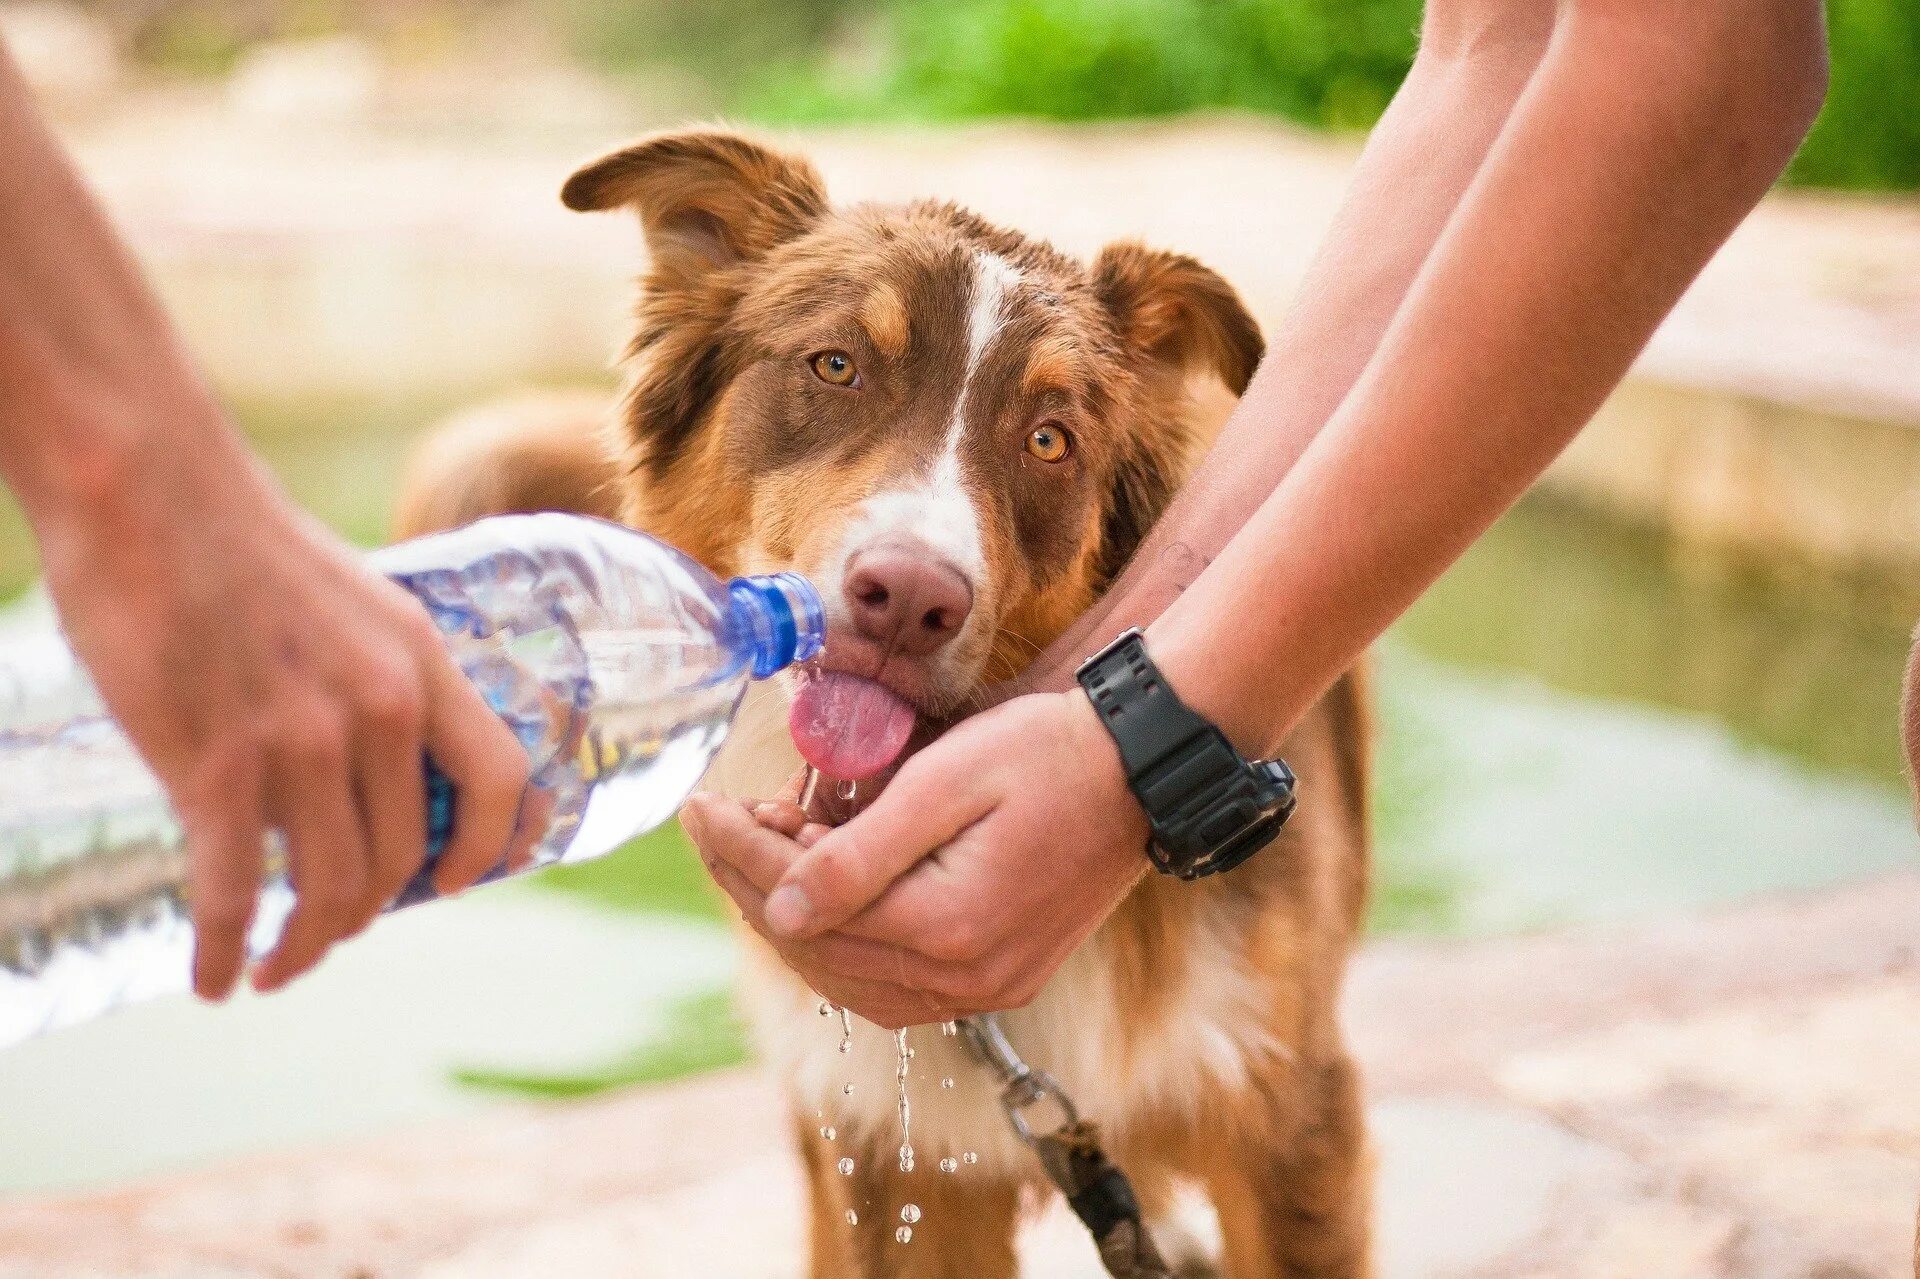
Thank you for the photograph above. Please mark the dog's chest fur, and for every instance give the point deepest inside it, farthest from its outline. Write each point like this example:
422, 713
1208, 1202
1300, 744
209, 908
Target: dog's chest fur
1209, 1036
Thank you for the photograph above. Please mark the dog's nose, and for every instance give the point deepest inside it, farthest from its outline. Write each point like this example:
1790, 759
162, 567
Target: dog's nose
906, 597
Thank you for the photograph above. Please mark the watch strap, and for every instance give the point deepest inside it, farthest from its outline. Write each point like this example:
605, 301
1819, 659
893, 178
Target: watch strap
1209, 807
1146, 719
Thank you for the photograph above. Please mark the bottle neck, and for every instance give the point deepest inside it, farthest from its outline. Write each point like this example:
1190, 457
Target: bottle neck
779, 618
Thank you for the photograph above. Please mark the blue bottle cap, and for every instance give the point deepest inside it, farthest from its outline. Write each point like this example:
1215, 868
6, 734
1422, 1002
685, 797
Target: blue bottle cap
780, 617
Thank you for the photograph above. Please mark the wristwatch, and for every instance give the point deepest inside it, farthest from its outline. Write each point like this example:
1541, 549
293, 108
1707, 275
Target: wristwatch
1210, 807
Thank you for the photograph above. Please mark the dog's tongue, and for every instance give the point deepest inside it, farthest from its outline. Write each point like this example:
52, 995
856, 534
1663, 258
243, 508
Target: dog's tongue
847, 727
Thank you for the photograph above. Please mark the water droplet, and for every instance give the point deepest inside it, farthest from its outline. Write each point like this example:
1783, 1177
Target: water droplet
826, 1009
969, 1158
910, 1053
910, 1213
847, 790
846, 1090
947, 1082
846, 1167
949, 1164
827, 1131
906, 1159
904, 1234
846, 1045
853, 1218
949, 1028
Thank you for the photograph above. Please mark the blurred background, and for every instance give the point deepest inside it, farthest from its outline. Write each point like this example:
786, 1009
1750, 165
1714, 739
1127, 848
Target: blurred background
1665, 685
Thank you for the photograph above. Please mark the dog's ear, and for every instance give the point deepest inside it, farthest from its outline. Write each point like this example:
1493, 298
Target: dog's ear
1177, 318
707, 199
1178, 313
1143, 485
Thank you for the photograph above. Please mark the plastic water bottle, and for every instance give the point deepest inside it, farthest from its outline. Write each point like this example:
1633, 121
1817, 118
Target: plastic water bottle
617, 661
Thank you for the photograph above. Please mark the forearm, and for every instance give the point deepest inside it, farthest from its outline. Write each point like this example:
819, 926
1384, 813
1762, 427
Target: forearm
1638, 146
1474, 61
83, 341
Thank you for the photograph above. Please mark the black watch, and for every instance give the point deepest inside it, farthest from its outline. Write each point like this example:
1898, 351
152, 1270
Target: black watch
1210, 807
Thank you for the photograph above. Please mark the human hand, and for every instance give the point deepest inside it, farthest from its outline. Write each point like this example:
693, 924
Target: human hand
990, 856
272, 681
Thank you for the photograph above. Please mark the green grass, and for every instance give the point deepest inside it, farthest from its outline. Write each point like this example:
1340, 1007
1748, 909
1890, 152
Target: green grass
701, 1033
657, 873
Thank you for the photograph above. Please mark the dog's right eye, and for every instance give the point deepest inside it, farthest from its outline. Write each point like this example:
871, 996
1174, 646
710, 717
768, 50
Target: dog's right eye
835, 368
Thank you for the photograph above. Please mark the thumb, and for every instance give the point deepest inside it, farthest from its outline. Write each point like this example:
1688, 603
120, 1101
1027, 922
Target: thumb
930, 801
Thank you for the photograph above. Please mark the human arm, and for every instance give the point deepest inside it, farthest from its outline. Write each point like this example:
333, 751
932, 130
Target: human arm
267, 677
1642, 137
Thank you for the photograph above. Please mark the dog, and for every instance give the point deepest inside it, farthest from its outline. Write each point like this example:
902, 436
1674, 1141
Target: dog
960, 435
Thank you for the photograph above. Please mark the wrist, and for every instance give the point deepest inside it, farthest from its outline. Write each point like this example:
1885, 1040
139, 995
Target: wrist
100, 470
1254, 719
1092, 743
79, 435
1209, 806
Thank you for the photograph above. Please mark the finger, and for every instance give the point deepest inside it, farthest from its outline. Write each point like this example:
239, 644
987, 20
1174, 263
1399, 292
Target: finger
928, 804
327, 857
777, 815
725, 831
226, 851
862, 959
489, 771
726, 836
392, 790
530, 827
886, 1003
796, 788
745, 896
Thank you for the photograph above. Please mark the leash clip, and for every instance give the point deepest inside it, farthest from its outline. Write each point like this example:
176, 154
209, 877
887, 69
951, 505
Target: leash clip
1021, 1086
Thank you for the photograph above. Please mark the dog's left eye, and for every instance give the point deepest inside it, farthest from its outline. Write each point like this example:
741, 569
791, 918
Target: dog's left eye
835, 368
1049, 442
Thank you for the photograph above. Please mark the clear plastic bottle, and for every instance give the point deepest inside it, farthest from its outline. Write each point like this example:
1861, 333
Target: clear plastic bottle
618, 662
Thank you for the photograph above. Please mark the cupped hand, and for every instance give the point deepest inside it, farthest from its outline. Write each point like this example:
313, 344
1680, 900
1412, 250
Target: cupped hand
272, 681
990, 856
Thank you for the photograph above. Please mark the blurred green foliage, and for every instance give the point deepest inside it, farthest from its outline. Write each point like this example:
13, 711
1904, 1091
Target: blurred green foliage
1322, 62
734, 47
1325, 63
657, 872
699, 1034
1868, 135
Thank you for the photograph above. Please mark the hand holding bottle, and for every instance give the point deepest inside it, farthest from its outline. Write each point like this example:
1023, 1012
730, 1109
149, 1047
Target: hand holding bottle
272, 681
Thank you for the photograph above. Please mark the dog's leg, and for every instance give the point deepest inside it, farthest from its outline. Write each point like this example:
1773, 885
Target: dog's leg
965, 1228
830, 1242
1300, 1209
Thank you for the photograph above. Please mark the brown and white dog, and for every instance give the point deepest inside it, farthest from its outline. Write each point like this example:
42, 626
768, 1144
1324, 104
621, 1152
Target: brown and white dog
961, 434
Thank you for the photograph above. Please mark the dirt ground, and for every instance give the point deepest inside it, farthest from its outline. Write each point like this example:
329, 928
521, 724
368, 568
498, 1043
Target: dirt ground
1728, 1097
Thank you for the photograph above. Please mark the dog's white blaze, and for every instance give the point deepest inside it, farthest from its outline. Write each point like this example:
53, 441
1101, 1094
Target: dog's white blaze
937, 509
993, 278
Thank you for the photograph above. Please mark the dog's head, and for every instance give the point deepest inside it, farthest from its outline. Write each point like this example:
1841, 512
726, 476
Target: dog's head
958, 433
